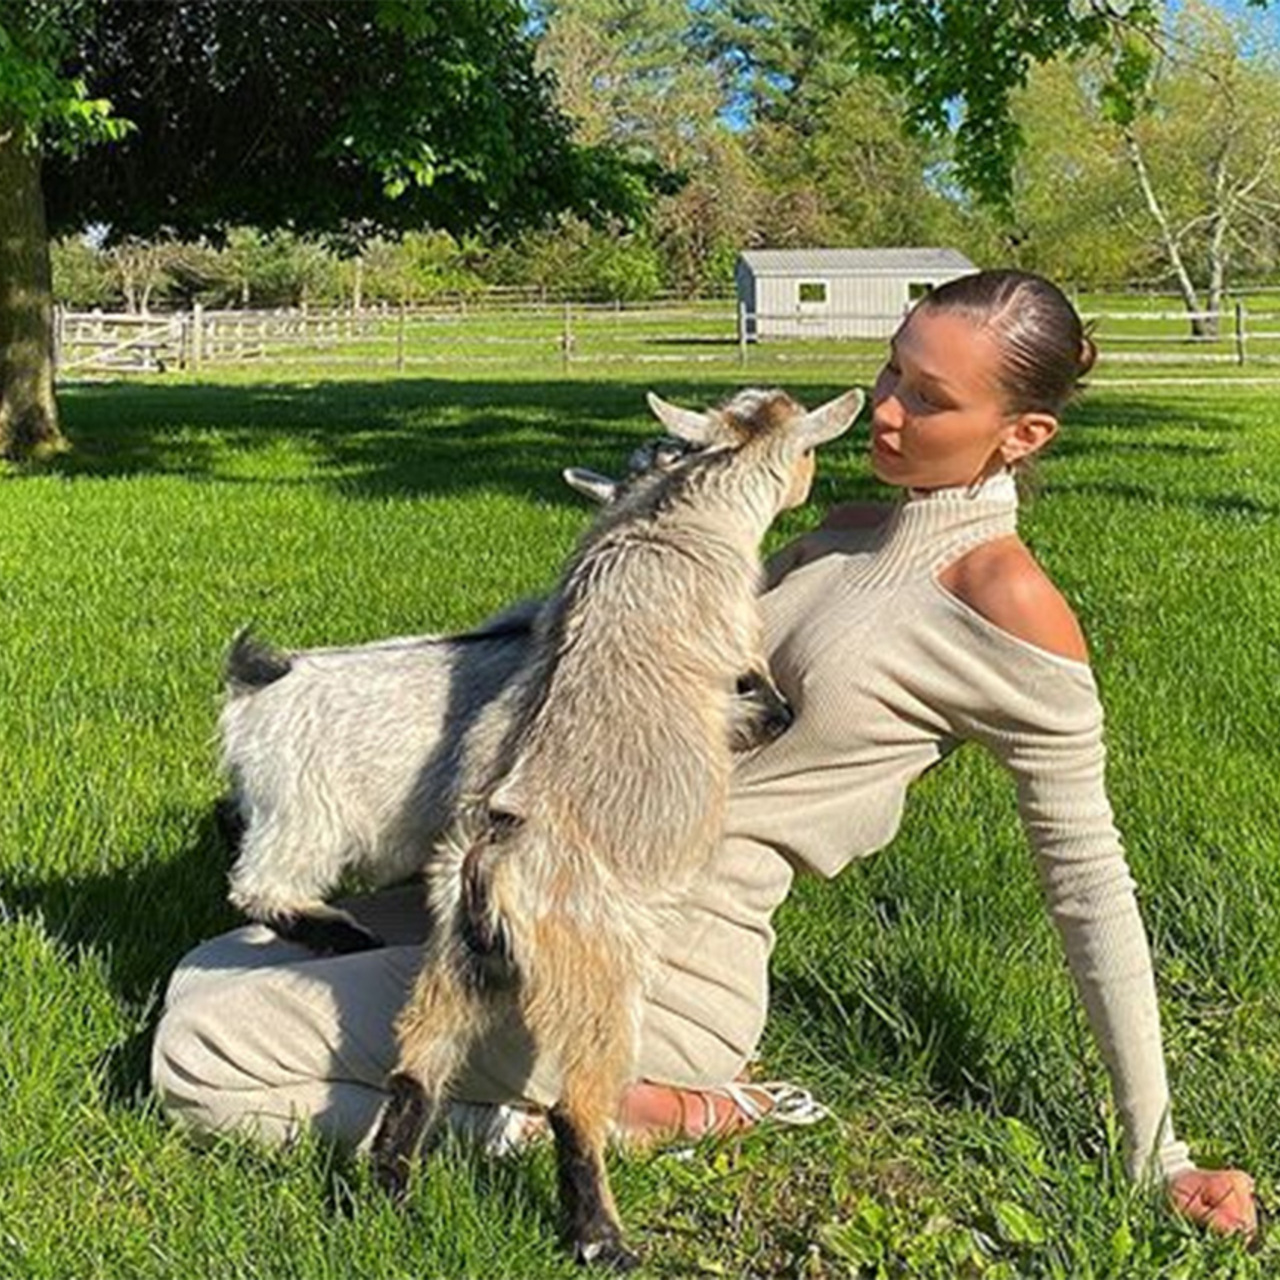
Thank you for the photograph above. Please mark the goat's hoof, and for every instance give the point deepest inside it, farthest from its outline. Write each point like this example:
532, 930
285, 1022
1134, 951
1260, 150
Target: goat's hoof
610, 1254
327, 936
392, 1179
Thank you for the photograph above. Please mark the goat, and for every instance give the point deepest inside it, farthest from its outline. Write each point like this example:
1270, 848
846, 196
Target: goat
347, 761
606, 796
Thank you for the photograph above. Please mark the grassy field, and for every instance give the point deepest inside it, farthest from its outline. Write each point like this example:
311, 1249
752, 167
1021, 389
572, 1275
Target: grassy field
922, 994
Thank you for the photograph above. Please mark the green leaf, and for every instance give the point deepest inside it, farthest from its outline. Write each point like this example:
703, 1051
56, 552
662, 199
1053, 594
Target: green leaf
1017, 1225
1121, 1243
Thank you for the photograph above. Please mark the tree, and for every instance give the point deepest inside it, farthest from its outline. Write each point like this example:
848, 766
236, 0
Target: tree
315, 113
625, 75
1162, 164
39, 108
1201, 133
959, 64
778, 136
780, 61
1074, 213
631, 72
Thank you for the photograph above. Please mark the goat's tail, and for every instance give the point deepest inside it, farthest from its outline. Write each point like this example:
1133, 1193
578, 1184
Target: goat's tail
465, 904
252, 665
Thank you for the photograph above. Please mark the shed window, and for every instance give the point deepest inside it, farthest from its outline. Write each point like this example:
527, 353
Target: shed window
811, 291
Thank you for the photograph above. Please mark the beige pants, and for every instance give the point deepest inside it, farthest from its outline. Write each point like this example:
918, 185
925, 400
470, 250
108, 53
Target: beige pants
261, 1036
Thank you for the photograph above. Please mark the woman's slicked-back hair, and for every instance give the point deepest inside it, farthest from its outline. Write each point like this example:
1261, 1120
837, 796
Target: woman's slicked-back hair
1045, 350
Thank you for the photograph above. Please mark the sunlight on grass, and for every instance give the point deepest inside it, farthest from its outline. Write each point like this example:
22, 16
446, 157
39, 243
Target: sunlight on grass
923, 994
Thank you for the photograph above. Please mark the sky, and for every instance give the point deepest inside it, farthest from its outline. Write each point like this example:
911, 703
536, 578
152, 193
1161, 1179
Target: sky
1267, 20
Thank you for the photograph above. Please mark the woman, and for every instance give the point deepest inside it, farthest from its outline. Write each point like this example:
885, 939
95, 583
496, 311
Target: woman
896, 633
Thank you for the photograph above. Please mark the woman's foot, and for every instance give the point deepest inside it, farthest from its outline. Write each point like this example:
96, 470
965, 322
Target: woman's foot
653, 1113
650, 1114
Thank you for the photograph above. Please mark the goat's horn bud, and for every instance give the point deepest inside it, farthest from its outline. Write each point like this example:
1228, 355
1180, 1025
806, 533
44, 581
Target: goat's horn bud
591, 483
685, 423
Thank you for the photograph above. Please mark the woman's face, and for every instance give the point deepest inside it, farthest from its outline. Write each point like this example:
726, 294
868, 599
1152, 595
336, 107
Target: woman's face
937, 412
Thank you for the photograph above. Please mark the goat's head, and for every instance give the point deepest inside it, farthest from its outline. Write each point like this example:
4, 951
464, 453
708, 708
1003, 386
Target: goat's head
788, 431
653, 458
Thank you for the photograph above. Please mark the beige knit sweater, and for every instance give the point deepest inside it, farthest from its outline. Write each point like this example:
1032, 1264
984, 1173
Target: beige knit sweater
887, 670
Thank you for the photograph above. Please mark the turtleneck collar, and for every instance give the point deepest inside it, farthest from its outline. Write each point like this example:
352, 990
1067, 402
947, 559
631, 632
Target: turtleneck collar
932, 527
1000, 486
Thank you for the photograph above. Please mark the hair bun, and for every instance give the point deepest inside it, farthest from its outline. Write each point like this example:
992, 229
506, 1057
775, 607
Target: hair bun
1087, 357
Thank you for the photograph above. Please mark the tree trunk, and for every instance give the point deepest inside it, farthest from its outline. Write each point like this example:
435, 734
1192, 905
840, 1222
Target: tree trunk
28, 410
1167, 239
1218, 233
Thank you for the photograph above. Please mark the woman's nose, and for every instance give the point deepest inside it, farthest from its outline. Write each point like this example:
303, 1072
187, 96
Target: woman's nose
886, 411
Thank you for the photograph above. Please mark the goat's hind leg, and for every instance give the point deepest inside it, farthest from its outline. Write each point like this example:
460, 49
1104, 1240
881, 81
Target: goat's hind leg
435, 1031
597, 1037
592, 1225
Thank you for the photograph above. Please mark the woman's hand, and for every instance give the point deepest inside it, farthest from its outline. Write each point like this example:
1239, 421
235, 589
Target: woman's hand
1220, 1199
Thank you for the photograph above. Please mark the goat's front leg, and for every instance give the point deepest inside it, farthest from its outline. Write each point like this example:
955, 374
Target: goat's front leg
760, 712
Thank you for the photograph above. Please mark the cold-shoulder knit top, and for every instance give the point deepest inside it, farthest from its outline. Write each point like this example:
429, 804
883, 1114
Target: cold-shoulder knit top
887, 670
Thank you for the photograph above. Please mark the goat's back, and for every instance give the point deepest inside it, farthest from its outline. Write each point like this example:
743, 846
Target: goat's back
623, 746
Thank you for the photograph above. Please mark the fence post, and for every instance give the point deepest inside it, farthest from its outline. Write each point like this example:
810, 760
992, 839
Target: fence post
742, 333
1240, 335
566, 337
197, 336
400, 339
59, 320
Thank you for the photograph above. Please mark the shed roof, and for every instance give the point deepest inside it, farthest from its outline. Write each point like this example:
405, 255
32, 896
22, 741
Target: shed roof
855, 262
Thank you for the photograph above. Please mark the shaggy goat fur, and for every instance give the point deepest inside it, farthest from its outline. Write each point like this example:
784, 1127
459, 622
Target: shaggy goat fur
349, 761
606, 794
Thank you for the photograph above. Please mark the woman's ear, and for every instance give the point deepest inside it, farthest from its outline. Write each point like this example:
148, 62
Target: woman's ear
1029, 434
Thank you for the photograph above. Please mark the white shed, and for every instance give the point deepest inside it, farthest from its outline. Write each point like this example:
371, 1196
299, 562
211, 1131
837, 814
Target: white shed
837, 293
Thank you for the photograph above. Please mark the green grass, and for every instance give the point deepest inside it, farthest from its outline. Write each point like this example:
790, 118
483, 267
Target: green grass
923, 994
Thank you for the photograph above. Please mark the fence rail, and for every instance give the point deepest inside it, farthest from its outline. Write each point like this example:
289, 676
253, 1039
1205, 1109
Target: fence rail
528, 331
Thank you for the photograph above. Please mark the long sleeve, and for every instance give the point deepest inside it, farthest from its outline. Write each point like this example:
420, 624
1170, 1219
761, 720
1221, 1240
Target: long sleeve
1041, 717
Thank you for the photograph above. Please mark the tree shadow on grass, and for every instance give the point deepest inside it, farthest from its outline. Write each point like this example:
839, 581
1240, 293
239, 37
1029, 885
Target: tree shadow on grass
138, 921
940, 1041
367, 439
427, 436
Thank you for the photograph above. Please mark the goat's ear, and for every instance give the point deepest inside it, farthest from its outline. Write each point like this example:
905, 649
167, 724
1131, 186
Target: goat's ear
591, 483
830, 420
697, 428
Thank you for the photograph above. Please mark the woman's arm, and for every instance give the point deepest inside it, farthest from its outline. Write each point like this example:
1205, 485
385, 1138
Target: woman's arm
1044, 721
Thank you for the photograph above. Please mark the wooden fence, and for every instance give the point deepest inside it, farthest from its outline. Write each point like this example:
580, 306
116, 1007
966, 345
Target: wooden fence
532, 332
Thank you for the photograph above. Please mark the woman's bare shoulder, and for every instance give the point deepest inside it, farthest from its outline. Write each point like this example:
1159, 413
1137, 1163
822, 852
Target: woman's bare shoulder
1003, 582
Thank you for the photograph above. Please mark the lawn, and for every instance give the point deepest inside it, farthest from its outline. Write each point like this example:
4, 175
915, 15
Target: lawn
923, 994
